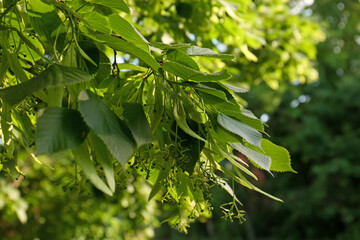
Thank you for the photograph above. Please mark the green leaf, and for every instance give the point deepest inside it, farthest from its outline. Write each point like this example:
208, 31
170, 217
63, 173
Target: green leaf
235, 88
70, 58
191, 109
7, 4
230, 108
32, 47
213, 91
172, 46
55, 97
45, 24
82, 158
248, 133
203, 88
162, 174
106, 125
84, 54
250, 119
40, 6
189, 73
138, 124
53, 76
236, 162
157, 185
280, 157
194, 146
233, 176
6, 127
98, 22
179, 56
59, 129
131, 67
225, 185
127, 31
222, 135
103, 157
4, 66
157, 114
220, 105
91, 54
11, 57
121, 45
180, 118
259, 159
15, 66
104, 68
22, 122
206, 52
117, 4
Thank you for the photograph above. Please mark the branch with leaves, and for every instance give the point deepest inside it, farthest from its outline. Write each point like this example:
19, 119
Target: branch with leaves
164, 119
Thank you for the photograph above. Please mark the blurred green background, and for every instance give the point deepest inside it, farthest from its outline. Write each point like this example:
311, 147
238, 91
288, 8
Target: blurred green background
305, 87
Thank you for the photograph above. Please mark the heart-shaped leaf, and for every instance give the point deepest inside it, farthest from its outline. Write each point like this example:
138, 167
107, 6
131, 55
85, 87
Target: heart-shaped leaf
280, 157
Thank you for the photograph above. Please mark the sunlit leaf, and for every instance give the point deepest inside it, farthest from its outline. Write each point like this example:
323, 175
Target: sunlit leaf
212, 91
226, 107
11, 57
98, 22
6, 126
191, 74
55, 75
280, 157
178, 56
251, 135
44, 20
250, 119
22, 121
206, 52
171, 46
128, 32
121, 45
259, 159
235, 88
161, 176
131, 67
117, 4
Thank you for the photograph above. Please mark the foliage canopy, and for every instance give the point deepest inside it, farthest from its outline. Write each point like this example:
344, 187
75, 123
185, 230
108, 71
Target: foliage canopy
171, 115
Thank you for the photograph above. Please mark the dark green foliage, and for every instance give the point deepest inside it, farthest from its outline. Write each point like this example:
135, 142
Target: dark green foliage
106, 125
59, 129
